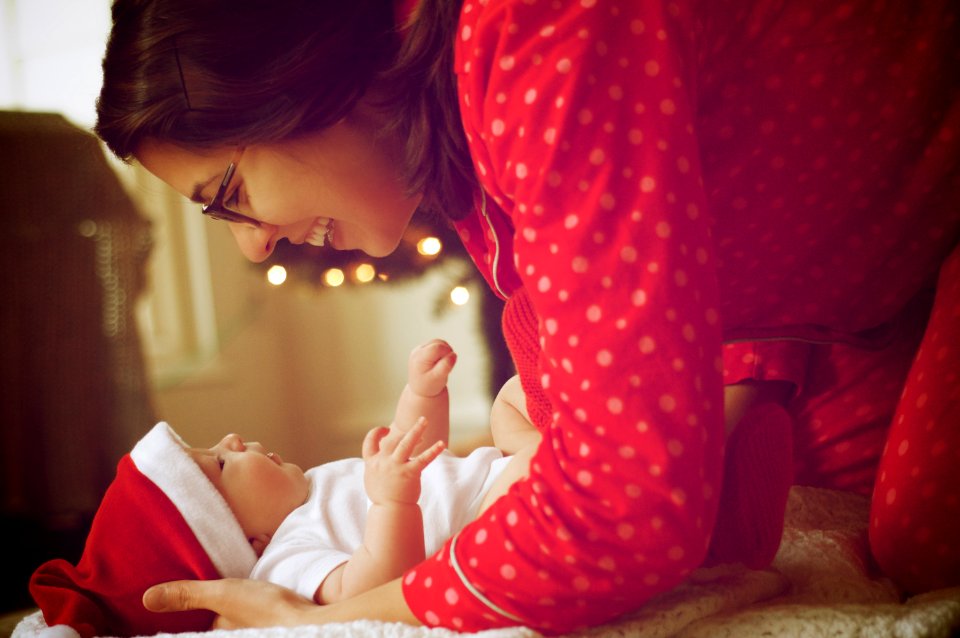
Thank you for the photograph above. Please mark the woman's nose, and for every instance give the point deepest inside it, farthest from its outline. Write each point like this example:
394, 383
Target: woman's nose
256, 243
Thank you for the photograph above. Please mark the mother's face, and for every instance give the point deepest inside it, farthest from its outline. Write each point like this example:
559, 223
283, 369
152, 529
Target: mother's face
345, 174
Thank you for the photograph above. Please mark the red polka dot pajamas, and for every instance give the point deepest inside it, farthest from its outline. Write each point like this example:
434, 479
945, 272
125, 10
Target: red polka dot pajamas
692, 194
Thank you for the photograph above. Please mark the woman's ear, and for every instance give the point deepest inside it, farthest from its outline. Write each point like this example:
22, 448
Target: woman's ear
259, 543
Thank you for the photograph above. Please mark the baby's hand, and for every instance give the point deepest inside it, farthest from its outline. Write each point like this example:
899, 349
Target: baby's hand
429, 366
390, 475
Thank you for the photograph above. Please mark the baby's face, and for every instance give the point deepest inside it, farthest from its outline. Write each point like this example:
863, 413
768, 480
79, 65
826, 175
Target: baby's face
258, 486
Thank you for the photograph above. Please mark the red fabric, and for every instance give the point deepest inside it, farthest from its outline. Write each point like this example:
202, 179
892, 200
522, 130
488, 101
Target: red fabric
758, 473
654, 172
138, 539
521, 332
915, 515
766, 361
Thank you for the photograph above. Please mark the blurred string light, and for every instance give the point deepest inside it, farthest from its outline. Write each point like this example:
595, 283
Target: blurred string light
429, 246
276, 275
365, 273
333, 277
460, 295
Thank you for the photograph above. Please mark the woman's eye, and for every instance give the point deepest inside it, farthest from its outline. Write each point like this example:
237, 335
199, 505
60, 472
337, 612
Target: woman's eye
221, 462
233, 200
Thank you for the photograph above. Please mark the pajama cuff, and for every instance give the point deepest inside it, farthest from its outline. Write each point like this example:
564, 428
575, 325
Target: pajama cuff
439, 594
766, 361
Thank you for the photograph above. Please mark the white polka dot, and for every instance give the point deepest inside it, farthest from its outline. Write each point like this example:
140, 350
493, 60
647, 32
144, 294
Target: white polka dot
604, 358
597, 156
580, 265
530, 96
497, 127
543, 285
638, 297
564, 65
668, 403
615, 405
678, 496
647, 344
628, 254
451, 596
512, 518
431, 617
481, 536
570, 221
521, 170
652, 68
508, 572
466, 33
594, 313
550, 136
625, 531
507, 62
648, 184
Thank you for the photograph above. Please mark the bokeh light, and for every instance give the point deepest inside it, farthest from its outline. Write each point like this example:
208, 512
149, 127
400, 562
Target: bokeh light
334, 277
365, 273
429, 246
276, 275
460, 295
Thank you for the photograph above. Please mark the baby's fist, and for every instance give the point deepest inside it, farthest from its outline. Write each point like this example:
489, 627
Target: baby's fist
429, 366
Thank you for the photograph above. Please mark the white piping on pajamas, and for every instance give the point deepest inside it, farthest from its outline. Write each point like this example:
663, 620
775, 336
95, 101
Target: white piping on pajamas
473, 590
496, 242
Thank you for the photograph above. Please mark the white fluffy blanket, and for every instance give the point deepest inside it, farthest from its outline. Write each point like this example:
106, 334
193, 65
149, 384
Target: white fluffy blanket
821, 584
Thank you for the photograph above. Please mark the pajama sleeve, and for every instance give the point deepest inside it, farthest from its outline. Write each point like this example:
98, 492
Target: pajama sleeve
766, 361
579, 115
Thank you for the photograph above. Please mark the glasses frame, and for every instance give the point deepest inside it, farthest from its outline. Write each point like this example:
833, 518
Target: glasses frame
216, 210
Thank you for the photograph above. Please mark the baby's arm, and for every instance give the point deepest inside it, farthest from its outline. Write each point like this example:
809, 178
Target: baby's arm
393, 534
425, 394
510, 423
513, 433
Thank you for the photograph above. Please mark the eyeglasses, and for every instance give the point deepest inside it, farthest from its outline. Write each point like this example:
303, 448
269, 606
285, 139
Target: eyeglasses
216, 209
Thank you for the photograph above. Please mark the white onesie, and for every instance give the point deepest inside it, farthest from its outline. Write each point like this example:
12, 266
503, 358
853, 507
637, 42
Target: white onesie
325, 531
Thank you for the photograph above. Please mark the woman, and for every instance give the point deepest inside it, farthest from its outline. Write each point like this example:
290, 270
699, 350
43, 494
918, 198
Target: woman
692, 195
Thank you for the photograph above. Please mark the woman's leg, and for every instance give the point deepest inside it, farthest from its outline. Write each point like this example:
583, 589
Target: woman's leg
915, 515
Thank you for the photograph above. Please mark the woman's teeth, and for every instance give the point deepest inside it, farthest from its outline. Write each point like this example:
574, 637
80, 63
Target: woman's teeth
321, 232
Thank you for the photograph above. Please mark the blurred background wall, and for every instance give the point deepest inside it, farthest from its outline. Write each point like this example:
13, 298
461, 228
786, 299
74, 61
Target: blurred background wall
168, 321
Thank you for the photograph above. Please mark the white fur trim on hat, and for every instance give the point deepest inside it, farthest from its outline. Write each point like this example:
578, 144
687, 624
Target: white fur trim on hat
162, 457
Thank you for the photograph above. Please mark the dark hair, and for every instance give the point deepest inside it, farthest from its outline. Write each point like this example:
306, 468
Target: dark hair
203, 73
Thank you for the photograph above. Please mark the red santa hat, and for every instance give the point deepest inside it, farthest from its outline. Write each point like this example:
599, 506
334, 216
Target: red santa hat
161, 519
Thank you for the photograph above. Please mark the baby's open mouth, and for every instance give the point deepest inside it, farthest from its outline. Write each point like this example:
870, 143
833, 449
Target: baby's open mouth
321, 232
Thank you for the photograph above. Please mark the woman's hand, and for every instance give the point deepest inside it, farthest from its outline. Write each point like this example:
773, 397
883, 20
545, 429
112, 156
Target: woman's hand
238, 602
255, 603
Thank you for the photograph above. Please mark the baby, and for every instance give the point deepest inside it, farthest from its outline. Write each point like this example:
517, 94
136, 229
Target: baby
175, 512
